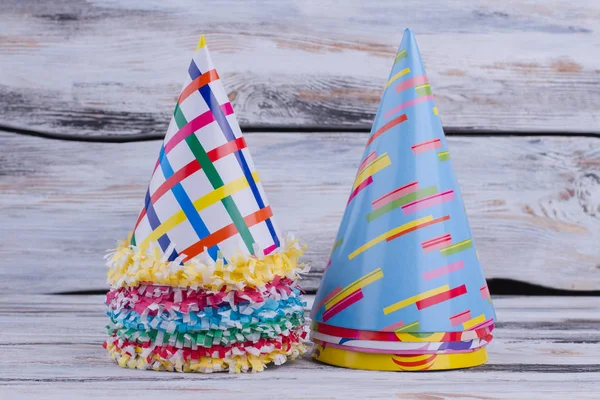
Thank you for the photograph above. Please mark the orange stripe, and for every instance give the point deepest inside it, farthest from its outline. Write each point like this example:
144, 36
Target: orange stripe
414, 228
387, 126
413, 363
197, 83
225, 233
193, 166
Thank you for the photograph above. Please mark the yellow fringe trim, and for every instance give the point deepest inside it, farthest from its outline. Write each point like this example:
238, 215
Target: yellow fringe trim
233, 364
130, 266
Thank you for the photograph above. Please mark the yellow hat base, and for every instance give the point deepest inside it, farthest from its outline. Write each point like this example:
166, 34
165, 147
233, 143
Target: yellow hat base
393, 362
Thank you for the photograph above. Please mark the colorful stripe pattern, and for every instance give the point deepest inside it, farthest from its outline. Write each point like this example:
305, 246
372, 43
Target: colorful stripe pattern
204, 194
338, 301
428, 201
403, 336
369, 166
436, 243
406, 216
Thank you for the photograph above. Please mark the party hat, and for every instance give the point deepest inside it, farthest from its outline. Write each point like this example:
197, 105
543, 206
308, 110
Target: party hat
205, 282
404, 275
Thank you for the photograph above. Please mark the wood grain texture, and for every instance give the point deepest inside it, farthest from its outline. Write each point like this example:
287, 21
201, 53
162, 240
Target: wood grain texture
533, 203
115, 67
59, 337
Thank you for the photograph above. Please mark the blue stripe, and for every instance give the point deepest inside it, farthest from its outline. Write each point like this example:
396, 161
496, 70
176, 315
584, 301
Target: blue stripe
221, 119
163, 241
188, 207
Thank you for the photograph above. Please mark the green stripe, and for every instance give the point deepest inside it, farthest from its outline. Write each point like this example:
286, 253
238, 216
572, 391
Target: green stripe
401, 55
464, 245
215, 179
420, 335
443, 156
424, 90
409, 198
180, 119
133, 240
337, 244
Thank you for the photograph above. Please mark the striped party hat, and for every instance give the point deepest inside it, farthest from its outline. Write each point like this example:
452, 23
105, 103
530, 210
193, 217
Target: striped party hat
206, 247
404, 264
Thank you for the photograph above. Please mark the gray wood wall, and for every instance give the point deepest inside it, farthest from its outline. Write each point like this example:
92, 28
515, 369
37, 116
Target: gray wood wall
294, 69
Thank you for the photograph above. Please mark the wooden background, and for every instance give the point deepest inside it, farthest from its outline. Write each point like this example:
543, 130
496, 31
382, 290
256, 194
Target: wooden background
517, 84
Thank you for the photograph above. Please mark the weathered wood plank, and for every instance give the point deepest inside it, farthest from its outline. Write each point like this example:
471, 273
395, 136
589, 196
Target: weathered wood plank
534, 203
60, 336
116, 67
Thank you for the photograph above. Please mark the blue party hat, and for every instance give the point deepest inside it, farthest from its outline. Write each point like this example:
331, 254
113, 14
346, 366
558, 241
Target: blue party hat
404, 259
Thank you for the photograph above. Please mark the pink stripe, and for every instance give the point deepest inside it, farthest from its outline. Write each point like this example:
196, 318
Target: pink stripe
460, 318
192, 126
482, 325
407, 104
393, 327
435, 240
360, 187
270, 249
394, 352
427, 146
366, 161
342, 305
446, 269
328, 297
437, 246
417, 80
429, 201
485, 292
396, 194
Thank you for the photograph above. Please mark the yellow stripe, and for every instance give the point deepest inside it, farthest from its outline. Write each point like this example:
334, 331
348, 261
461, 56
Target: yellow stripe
407, 326
398, 75
421, 86
386, 235
377, 165
473, 321
435, 111
201, 43
414, 299
200, 204
459, 243
357, 284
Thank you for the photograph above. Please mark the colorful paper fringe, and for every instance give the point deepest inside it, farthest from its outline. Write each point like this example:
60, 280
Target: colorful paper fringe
236, 330
234, 359
130, 266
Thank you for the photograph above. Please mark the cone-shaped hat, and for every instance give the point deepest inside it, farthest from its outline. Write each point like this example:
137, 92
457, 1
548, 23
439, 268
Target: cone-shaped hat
205, 282
205, 200
404, 259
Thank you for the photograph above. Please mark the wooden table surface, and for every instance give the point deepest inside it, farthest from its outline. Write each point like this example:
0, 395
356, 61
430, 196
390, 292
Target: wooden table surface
543, 347
517, 84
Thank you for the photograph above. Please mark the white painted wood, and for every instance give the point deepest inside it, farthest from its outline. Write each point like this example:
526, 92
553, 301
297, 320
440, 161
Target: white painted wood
51, 349
116, 67
533, 203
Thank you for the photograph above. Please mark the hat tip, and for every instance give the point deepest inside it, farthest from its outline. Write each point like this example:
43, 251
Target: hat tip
201, 43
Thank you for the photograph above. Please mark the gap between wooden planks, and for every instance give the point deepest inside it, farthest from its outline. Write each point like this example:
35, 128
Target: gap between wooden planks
533, 203
543, 347
91, 67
